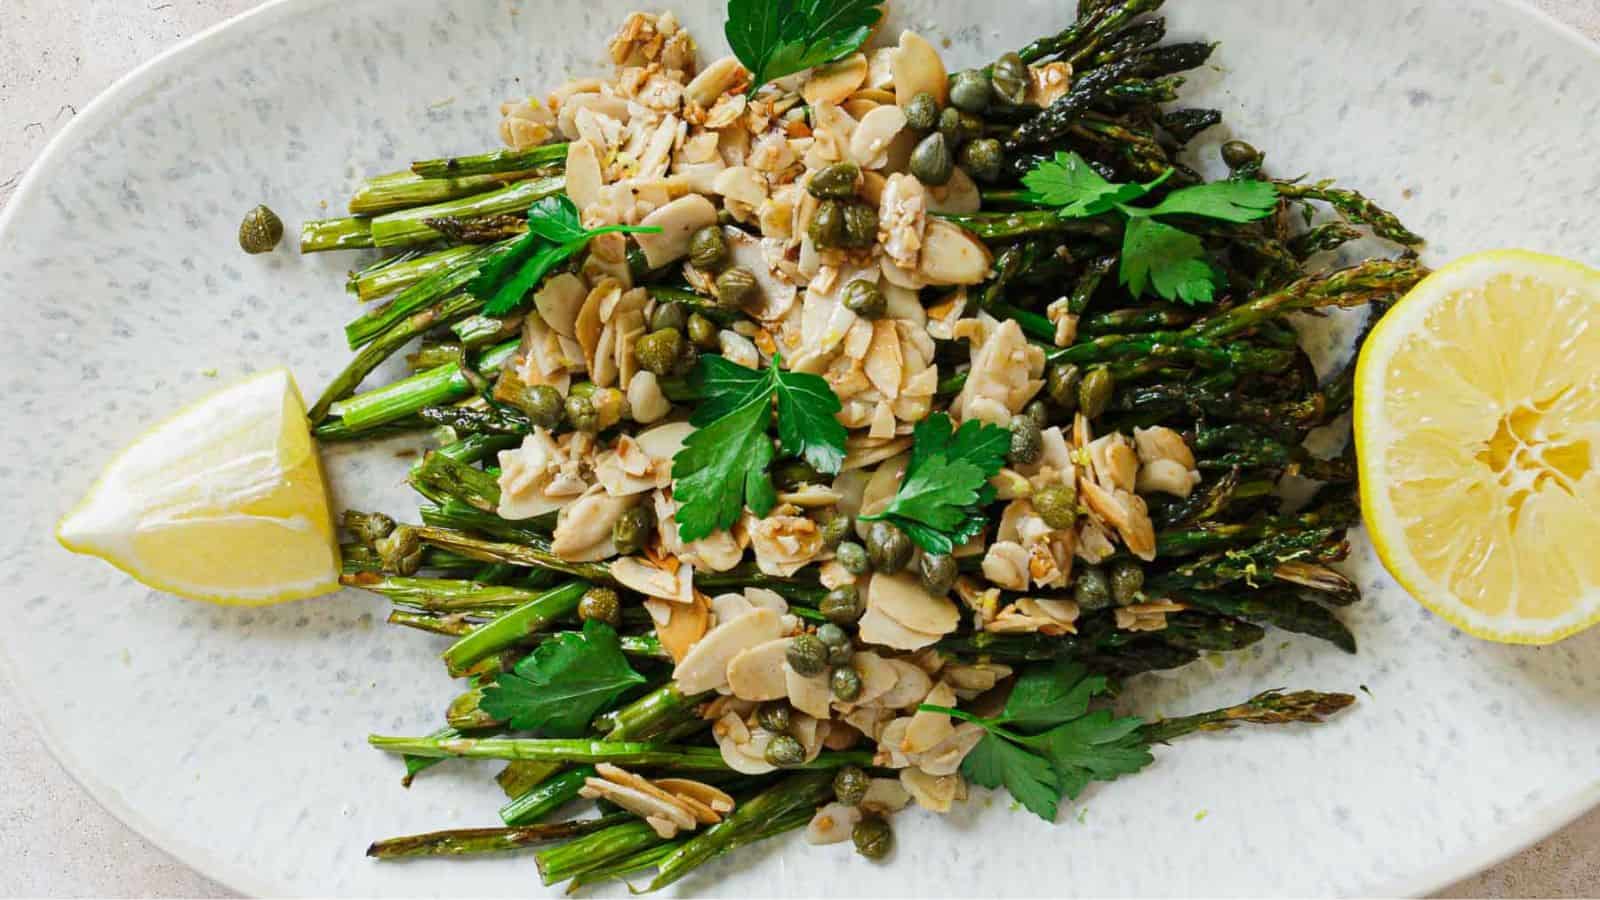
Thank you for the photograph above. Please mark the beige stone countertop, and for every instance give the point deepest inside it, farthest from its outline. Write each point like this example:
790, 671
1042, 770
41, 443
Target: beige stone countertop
55, 840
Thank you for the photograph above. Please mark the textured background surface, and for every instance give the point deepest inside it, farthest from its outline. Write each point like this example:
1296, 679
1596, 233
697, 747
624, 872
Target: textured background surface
55, 55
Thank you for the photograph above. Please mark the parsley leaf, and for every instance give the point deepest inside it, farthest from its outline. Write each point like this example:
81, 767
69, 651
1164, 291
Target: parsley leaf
564, 684
947, 482
996, 762
555, 235
775, 38
722, 467
1095, 747
1048, 695
1154, 255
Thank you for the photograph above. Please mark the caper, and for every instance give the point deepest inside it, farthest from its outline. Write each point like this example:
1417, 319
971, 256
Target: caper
774, 716
853, 557
807, 655
1127, 580
1010, 79
601, 604
970, 92
633, 529
863, 298
1062, 385
937, 573
584, 389
708, 249
922, 113
581, 414
860, 226
541, 403
836, 182
1027, 445
1091, 589
845, 683
793, 473
1057, 505
837, 640
785, 750
368, 528
836, 529
950, 125
659, 351
260, 231
1238, 155
888, 548
932, 162
1094, 395
827, 226
983, 159
872, 837
401, 551
850, 785
703, 332
842, 605
688, 358
669, 316
1039, 412
736, 287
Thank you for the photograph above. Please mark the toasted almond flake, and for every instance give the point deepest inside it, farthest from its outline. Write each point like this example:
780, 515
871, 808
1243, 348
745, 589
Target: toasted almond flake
678, 221
1116, 465
833, 82
933, 793
959, 196
885, 796
808, 695
910, 686
758, 672
1049, 82
903, 599
869, 144
1126, 513
952, 255
832, 824
705, 666
878, 677
1165, 476
665, 816
945, 759
860, 453
917, 68
891, 739
1161, 443
877, 628
929, 729
583, 530
686, 624
712, 798
652, 581
742, 756
719, 78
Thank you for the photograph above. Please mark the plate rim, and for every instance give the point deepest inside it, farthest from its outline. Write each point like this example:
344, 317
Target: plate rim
1513, 839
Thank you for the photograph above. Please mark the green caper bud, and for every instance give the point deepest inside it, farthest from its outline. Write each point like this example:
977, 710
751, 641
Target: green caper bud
872, 837
774, 716
793, 473
1057, 505
836, 182
1027, 445
840, 649
1238, 155
669, 316
368, 528
860, 226
784, 751
850, 785
736, 287
1091, 589
260, 231
688, 358
932, 162
836, 529
1127, 580
633, 529
853, 557
983, 159
541, 403
601, 604
1039, 412
827, 226
971, 127
1094, 394
581, 414
922, 113
937, 573
950, 125
842, 605
807, 655
845, 683
703, 332
584, 389
970, 92
659, 351
1062, 385
708, 249
1010, 79
864, 298
400, 552
888, 548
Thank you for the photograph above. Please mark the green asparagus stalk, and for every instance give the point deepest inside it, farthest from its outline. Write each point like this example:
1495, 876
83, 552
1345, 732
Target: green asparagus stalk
1271, 708
446, 625
476, 332
1100, 18
1322, 239
555, 792
585, 854
493, 163
475, 448
1356, 208
1280, 609
416, 765
387, 344
442, 595
1010, 226
404, 190
438, 476
1119, 44
1176, 345
322, 235
1374, 280
648, 858
444, 280
514, 627
432, 356
1134, 321
464, 420
467, 713
469, 841
1210, 633
409, 227
405, 398
744, 825
621, 753
400, 272
457, 515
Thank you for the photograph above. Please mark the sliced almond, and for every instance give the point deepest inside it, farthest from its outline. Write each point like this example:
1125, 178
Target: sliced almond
869, 145
879, 629
878, 677
945, 759
705, 666
917, 69
891, 744
957, 197
654, 581
886, 795
741, 183
665, 441
935, 793
902, 598
953, 255
758, 673
686, 625
833, 82
911, 685
716, 800
715, 80
832, 824
559, 301
880, 490
678, 221
809, 695
929, 729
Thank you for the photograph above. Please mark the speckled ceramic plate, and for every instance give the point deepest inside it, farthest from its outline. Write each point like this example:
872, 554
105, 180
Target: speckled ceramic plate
235, 739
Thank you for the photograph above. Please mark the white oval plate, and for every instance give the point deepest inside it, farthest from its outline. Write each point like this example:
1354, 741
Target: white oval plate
235, 739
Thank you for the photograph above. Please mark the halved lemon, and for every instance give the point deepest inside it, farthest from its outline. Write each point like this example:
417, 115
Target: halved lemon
1478, 431
224, 502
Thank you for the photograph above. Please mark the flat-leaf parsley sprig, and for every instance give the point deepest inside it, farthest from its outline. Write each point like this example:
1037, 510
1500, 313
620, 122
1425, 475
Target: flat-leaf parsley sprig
1154, 254
722, 467
555, 234
946, 485
775, 38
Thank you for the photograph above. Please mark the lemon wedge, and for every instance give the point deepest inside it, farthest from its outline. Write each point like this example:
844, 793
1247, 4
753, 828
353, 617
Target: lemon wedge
224, 502
1478, 432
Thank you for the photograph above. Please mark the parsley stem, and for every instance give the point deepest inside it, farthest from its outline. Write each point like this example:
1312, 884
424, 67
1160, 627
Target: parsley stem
993, 726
